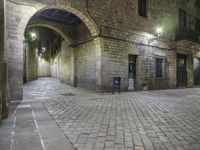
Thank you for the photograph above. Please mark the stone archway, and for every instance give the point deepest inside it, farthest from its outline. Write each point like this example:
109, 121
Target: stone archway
18, 16
88, 21
54, 26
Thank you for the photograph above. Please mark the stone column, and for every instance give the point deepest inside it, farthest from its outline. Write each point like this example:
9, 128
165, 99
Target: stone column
190, 70
2, 28
1, 47
0, 106
4, 88
98, 48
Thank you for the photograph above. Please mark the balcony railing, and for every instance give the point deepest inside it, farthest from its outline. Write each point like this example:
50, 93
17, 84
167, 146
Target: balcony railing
187, 34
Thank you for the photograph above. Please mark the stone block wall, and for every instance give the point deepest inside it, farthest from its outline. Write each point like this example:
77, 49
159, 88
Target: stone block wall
77, 65
66, 64
44, 68
115, 64
82, 35
85, 65
30, 61
54, 67
117, 47
119, 25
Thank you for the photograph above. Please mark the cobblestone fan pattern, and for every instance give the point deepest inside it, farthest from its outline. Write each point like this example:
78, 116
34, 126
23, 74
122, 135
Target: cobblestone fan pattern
150, 120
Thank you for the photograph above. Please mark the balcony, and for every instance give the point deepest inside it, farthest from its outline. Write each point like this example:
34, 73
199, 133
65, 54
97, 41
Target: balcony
187, 34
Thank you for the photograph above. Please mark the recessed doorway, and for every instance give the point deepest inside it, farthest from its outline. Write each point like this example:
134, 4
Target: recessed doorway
197, 71
181, 70
132, 71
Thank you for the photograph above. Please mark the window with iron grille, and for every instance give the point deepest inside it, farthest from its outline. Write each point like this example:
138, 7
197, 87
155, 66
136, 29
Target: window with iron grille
142, 8
159, 67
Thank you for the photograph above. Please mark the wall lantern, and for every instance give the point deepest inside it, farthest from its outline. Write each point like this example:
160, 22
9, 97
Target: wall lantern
43, 49
159, 32
33, 36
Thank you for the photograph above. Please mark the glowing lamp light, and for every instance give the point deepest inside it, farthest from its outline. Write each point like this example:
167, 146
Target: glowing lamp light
159, 31
43, 49
33, 36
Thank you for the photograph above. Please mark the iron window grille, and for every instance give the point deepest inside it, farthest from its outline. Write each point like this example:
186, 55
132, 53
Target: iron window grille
159, 67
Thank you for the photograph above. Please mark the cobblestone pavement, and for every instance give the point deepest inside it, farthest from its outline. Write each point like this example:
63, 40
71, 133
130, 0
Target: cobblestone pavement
161, 120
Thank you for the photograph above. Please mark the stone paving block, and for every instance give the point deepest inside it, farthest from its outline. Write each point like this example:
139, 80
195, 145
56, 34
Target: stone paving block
140, 121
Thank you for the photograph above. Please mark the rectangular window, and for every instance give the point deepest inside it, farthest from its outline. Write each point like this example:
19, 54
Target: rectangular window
197, 25
197, 3
182, 18
159, 67
142, 8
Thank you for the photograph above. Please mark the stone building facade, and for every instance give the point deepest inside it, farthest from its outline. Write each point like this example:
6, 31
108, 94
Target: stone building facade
4, 88
116, 39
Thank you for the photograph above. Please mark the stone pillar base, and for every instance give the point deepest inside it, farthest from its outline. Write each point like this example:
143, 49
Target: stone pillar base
0, 106
4, 88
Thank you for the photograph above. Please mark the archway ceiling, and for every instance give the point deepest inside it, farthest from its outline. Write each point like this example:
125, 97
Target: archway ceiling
60, 16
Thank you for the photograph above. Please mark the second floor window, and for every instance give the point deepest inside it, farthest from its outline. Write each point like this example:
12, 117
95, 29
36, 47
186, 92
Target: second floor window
197, 3
197, 24
182, 18
142, 8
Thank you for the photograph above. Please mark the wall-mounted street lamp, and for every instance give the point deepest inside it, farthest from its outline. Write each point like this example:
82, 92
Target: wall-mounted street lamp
41, 52
33, 36
43, 49
159, 32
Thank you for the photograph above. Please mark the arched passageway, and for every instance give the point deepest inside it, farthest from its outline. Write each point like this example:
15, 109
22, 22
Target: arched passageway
79, 33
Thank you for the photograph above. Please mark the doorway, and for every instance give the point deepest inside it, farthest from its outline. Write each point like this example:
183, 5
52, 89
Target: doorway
197, 71
181, 70
132, 70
